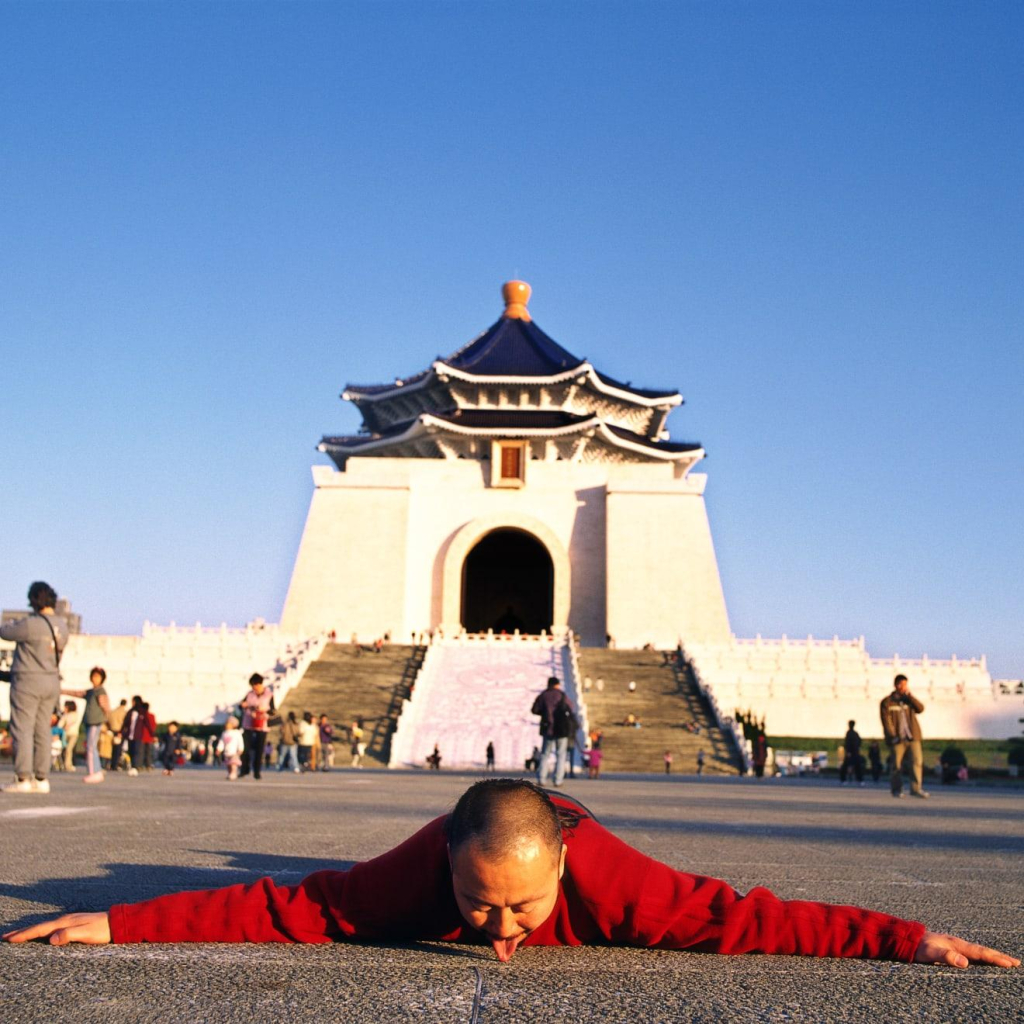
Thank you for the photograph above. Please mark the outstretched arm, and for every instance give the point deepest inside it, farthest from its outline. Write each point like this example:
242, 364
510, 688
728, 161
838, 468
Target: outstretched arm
638, 900
405, 893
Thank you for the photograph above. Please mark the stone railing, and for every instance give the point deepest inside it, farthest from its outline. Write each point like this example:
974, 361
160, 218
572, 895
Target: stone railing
724, 721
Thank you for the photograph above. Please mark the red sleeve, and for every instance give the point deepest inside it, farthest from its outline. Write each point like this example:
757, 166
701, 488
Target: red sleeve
635, 899
678, 910
259, 912
406, 893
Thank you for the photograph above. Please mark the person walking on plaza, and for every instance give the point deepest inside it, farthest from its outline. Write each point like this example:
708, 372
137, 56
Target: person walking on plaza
308, 734
131, 731
72, 722
668, 762
148, 737
97, 706
490, 755
903, 734
326, 761
288, 744
358, 747
257, 707
852, 760
557, 722
700, 762
105, 745
40, 639
116, 722
169, 748
56, 743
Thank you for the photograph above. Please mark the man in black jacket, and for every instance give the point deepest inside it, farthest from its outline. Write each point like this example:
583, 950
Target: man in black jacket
903, 733
557, 723
852, 761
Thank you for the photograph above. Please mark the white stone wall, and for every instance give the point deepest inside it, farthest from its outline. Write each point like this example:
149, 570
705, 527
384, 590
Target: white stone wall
372, 556
663, 580
812, 688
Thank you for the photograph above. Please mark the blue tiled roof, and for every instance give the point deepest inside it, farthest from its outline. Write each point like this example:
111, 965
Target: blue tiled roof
513, 348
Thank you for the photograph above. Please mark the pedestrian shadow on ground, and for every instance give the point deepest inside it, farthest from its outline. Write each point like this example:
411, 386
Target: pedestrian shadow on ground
130, 883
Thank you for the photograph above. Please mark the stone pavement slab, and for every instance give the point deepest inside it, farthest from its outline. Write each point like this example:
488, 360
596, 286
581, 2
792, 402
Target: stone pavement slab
954, 862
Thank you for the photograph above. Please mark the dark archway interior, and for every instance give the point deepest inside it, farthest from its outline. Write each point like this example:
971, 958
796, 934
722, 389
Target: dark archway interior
508, 584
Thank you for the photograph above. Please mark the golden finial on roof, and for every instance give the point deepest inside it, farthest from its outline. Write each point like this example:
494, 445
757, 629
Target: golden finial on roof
516, 295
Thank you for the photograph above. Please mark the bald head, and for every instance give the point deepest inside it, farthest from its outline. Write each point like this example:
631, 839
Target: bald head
507, 857
500, 816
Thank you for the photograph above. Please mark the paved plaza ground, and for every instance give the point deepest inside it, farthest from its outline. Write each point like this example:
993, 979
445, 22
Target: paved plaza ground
954, 862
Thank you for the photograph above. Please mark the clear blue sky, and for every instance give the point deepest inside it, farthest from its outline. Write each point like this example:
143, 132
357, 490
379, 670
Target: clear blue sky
807, 217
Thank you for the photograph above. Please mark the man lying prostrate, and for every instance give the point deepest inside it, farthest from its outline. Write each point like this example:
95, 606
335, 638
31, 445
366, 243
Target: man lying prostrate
514, 866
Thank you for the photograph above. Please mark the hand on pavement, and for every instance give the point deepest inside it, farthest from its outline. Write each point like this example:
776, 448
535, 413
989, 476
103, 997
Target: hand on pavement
948, 949
93, 929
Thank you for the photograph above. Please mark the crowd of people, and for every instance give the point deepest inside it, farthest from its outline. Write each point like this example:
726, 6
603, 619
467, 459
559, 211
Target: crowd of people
46, 730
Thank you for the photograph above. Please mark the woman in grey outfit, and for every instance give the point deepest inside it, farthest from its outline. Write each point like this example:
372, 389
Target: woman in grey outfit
35, 687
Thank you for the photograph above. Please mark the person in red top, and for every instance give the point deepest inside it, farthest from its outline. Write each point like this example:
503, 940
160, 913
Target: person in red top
514, 866
148, 736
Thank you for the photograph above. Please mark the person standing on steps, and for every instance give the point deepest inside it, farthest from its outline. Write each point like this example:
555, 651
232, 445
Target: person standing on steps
903, 734
40, 639
490, 755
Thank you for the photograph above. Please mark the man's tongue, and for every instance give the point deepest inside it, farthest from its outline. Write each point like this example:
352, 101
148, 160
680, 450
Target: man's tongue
505, 947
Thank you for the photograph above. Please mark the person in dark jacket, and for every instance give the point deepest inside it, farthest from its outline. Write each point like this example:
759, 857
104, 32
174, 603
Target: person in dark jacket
875, 759
903, 733
853, 760
557, 722
169, 748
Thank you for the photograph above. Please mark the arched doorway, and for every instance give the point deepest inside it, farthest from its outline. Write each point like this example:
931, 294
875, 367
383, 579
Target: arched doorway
508, 584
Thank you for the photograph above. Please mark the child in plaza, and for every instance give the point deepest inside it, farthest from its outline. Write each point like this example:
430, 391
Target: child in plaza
169, 748
229, 747
97, 707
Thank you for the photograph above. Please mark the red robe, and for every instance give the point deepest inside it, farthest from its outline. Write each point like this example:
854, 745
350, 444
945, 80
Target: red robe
610, 893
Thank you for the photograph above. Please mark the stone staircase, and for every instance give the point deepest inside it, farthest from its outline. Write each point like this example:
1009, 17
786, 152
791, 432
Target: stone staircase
665, 698
345, 686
